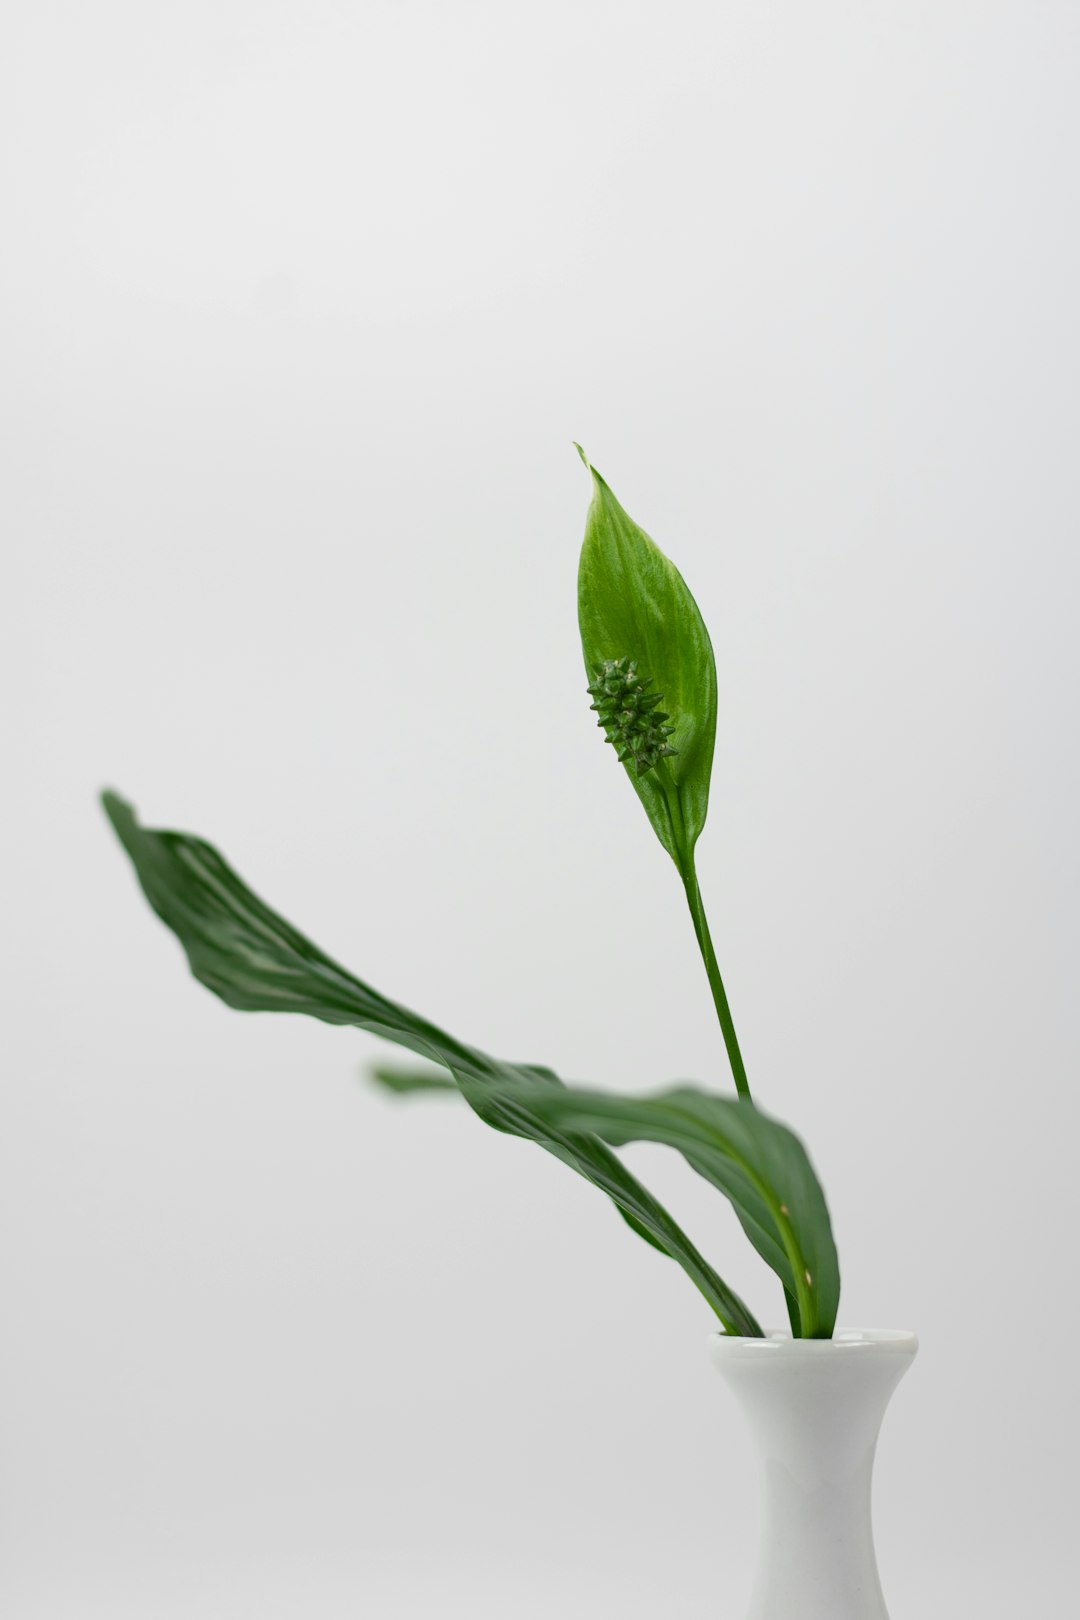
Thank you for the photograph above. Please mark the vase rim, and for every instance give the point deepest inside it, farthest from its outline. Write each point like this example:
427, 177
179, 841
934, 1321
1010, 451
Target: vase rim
778, 1343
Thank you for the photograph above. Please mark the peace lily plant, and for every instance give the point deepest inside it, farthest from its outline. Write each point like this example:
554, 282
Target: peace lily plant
652, 681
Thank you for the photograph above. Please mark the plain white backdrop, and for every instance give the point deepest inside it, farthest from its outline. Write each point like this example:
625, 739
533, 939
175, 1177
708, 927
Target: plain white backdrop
302, 306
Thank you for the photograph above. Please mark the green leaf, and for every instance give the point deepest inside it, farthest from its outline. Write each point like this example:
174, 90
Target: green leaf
504, 1104
405, 1082
633, 604
257, 962
759, 1164
252, 958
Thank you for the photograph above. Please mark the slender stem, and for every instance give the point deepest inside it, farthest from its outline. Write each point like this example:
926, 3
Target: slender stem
684, 860
716, 983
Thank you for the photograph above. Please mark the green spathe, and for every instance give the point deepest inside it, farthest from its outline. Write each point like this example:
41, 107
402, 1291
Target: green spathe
634, 604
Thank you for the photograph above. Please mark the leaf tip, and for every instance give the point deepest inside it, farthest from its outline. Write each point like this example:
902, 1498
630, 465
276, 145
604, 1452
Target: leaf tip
589, 468
115, 807
402, 1082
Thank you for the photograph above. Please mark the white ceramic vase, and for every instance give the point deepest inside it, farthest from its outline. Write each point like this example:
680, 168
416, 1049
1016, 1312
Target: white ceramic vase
815, 1407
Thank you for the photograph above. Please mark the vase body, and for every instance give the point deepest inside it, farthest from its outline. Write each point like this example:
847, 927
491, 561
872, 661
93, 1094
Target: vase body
815, 1408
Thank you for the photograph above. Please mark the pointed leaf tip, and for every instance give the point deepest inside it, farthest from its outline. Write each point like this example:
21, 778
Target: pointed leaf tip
584, 457
120, 813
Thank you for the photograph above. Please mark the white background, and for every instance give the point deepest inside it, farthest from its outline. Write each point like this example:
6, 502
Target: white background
302, 306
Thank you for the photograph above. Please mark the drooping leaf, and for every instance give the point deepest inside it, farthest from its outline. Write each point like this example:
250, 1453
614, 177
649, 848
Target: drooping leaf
254, 960
249, 955
410, 1082
503, 1103
759, 1164
634, 607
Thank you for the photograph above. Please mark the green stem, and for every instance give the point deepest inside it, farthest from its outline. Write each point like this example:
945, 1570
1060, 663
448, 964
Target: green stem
688, 872
716, 983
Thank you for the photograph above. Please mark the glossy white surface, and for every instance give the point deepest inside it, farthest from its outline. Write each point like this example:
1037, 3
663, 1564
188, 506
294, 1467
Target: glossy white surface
815, 1407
